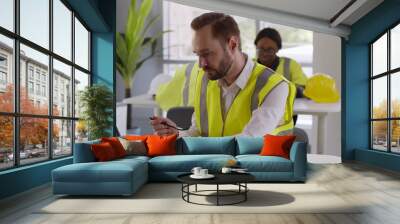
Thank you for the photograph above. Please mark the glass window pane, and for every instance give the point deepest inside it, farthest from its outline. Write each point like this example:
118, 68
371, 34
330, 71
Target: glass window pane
7, 14
395, 94
34, 97
62, 89
81, 131
296, 44
178, 45
6, 142
247, 29
379, 135
395, 135
62, 138
33, 139
81, 81
379, 56
6, 74
379, 97
62, 29
81, 45
35, 21
395, 47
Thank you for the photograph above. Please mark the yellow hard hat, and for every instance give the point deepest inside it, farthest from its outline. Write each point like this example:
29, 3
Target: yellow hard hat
322, 89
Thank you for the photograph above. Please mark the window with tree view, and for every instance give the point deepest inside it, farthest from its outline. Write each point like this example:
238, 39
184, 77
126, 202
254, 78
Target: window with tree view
385, 94
44, 64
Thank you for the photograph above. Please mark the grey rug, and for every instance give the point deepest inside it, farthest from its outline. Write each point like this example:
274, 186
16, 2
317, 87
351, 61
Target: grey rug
166, 198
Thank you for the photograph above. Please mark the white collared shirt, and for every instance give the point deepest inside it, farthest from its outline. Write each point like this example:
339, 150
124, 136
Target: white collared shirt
264, 119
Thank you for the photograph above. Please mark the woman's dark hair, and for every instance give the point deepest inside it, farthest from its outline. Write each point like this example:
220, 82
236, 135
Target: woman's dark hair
271, 34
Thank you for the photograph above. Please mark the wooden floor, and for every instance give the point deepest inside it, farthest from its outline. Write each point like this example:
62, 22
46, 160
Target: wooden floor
378, 188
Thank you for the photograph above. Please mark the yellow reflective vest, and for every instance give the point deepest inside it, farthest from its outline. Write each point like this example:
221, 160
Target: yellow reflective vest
208, 107
179, 91
292, 71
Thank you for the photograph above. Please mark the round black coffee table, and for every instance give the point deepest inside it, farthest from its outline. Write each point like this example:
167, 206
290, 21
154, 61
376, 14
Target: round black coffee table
238, 179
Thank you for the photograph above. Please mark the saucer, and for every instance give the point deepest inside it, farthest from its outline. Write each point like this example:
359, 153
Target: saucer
208, 176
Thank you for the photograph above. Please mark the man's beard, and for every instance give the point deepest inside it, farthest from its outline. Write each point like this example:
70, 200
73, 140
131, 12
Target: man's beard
223, 68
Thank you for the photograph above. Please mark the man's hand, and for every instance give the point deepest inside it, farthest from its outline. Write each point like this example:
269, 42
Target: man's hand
160, 128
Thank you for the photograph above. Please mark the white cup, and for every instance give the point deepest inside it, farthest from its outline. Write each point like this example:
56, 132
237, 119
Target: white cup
226, 170
203, 172
196, 171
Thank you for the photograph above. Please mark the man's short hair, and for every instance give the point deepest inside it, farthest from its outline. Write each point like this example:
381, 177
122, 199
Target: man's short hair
270, 33
222, 26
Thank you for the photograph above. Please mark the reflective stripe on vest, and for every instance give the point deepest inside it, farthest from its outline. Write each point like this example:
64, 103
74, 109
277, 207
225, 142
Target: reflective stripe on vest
286, 68
203, 106
185, 93
260, 83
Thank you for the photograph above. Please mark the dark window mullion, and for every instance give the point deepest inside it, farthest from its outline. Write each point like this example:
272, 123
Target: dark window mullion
16, 83
50, 81
371, 124
389, 101
73, 82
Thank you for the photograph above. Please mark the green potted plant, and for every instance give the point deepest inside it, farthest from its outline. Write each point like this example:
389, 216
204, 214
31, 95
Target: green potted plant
133, 42
96, 102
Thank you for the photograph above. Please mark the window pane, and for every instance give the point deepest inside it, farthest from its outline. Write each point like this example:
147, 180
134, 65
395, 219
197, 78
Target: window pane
62, 29
33, 139
6, 74
81, 131
35, 21
7, 14
170, 69
379, 97
395, 47
34, 72
81, 45
6, 142
395, 138
296, 44
379, 55
379, 135
178, 43
62, 138
81, 81
395, 94
247, 29
62, 89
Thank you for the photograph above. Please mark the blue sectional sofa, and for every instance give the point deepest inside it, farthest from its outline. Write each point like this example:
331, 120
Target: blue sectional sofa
125, 176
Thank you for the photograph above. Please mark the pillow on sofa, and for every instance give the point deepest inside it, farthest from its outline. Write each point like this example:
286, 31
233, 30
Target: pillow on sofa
103, 151
161, 145
277, 145
116, 145
134, 147
136, 137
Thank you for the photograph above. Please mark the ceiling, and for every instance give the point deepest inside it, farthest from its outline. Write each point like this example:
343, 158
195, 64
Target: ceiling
333, 17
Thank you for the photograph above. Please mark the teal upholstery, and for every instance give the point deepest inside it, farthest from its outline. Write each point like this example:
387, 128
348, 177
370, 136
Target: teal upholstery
125, 176
206, 145
184, 163
249, 145
257, 163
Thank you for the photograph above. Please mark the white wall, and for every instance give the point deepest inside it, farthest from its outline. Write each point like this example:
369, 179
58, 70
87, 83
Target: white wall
327, 59
148, 70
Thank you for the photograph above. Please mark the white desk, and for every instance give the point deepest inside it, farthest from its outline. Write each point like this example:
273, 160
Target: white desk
319, 111
301, 106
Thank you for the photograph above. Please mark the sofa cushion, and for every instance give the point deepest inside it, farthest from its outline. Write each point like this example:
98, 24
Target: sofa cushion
111, 171
185, 163
103, 152
161, 145
249, 145
83, 152
206, 145
277, 145
257, 163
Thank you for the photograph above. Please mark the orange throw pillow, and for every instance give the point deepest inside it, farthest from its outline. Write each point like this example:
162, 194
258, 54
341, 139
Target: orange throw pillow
277, 145
116, 145
136, 137
103, 152
161, 145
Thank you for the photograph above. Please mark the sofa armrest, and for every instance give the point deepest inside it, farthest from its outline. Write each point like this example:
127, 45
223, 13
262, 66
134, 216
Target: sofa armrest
298, 155
83, 152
